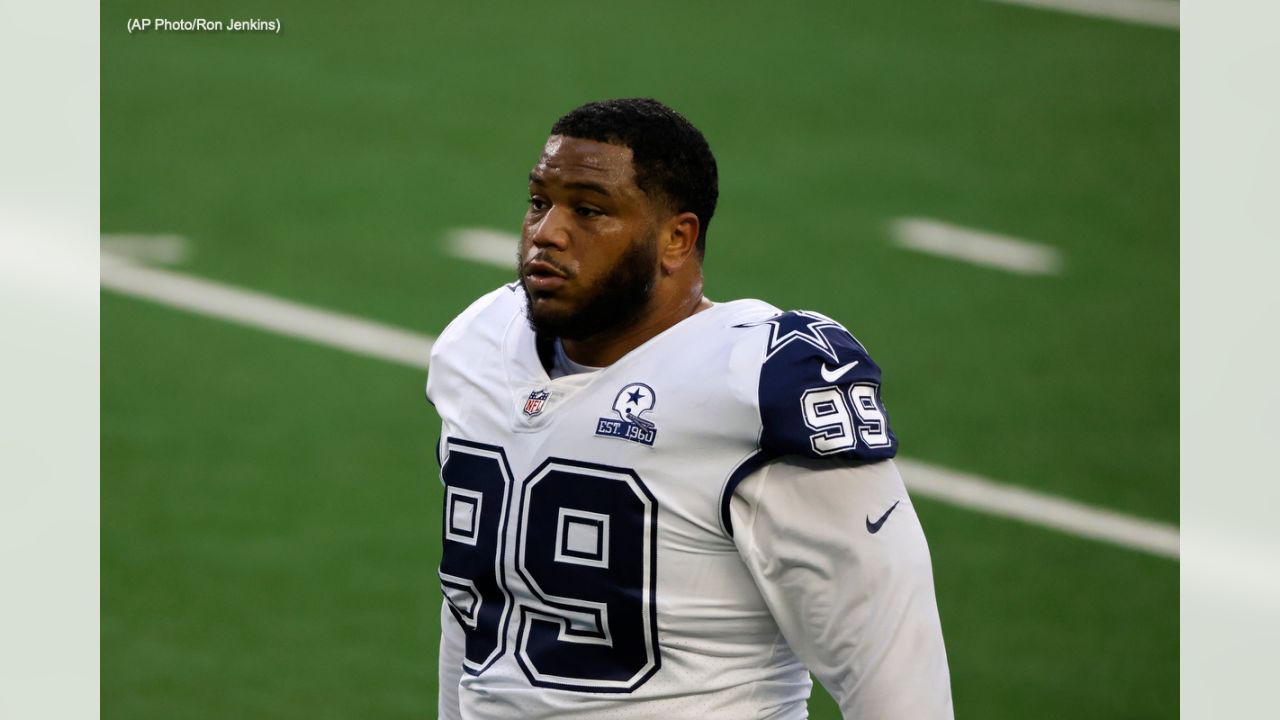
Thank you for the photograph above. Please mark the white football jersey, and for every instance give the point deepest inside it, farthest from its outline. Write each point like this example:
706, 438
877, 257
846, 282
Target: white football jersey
589, 565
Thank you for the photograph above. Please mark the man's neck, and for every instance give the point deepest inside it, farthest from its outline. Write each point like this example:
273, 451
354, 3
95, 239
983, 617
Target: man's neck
606, 348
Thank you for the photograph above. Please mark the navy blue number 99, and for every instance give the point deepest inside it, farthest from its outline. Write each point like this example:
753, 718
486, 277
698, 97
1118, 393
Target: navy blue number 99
585, 548
477, 480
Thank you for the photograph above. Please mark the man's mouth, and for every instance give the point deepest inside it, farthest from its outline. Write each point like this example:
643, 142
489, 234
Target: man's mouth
542, 276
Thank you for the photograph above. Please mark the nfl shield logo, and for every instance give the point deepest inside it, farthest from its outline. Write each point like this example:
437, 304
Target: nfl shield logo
536, 400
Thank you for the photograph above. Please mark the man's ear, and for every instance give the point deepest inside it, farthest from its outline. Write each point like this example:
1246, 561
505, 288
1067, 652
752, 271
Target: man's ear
681, 235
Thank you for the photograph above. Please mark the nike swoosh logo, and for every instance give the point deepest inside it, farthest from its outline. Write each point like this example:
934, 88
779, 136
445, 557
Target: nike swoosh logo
830, 375
874, 527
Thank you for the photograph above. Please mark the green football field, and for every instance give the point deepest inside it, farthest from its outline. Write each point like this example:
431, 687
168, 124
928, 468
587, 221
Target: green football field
270, 507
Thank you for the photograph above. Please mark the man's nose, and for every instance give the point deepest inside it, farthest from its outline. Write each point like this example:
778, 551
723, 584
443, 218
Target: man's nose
552, 230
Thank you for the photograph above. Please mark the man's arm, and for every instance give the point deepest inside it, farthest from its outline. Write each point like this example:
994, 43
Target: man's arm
452, 646
847, 576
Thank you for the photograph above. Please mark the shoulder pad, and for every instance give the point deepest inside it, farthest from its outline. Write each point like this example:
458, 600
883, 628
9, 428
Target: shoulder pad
820, 392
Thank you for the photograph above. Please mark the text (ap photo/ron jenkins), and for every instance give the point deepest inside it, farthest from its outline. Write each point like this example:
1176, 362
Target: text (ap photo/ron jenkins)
203, 25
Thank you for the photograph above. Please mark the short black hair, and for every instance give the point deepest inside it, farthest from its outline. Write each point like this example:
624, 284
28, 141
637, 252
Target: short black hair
670, 155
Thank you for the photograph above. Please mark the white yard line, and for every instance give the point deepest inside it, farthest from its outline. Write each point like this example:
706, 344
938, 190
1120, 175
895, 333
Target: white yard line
156, 249
1075, 518
258, 310
363, 337
978, 247
1159, 13
491, 247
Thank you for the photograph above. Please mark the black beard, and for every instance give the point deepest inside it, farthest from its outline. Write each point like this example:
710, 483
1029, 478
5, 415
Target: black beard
617, 302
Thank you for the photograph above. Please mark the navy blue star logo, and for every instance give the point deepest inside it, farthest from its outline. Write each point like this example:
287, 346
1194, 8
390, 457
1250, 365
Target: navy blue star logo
634, 396
799, 326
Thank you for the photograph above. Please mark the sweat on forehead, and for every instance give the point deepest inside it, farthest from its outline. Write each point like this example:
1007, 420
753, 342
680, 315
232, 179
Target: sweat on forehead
570, 152
577, 164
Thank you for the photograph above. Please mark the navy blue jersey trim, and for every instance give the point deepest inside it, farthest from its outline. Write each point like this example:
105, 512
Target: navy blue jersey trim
813, 392
754, 462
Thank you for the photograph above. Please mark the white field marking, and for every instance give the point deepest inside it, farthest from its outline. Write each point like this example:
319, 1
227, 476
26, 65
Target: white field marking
246, 307
363, 337
491, 247
976, 246
1069, 516
158, 249
1160, 13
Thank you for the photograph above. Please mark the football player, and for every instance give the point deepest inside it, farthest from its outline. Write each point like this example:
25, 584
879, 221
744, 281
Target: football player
656, 505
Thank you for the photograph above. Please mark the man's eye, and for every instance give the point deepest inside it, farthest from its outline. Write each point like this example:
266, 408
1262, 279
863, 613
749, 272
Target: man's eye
536, 203
589, 212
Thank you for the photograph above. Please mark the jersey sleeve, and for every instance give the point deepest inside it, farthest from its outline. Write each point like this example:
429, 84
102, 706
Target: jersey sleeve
845, 571
819, 393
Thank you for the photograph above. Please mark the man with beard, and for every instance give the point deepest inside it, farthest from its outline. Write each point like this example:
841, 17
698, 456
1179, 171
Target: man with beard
656, 505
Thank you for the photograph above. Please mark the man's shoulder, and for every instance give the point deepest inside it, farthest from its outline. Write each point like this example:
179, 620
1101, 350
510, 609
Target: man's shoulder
473, 337
491, 309
819, 389
799, 333
790, 340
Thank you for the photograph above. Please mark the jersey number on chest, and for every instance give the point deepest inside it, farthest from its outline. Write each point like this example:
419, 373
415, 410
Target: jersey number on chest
585, 548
